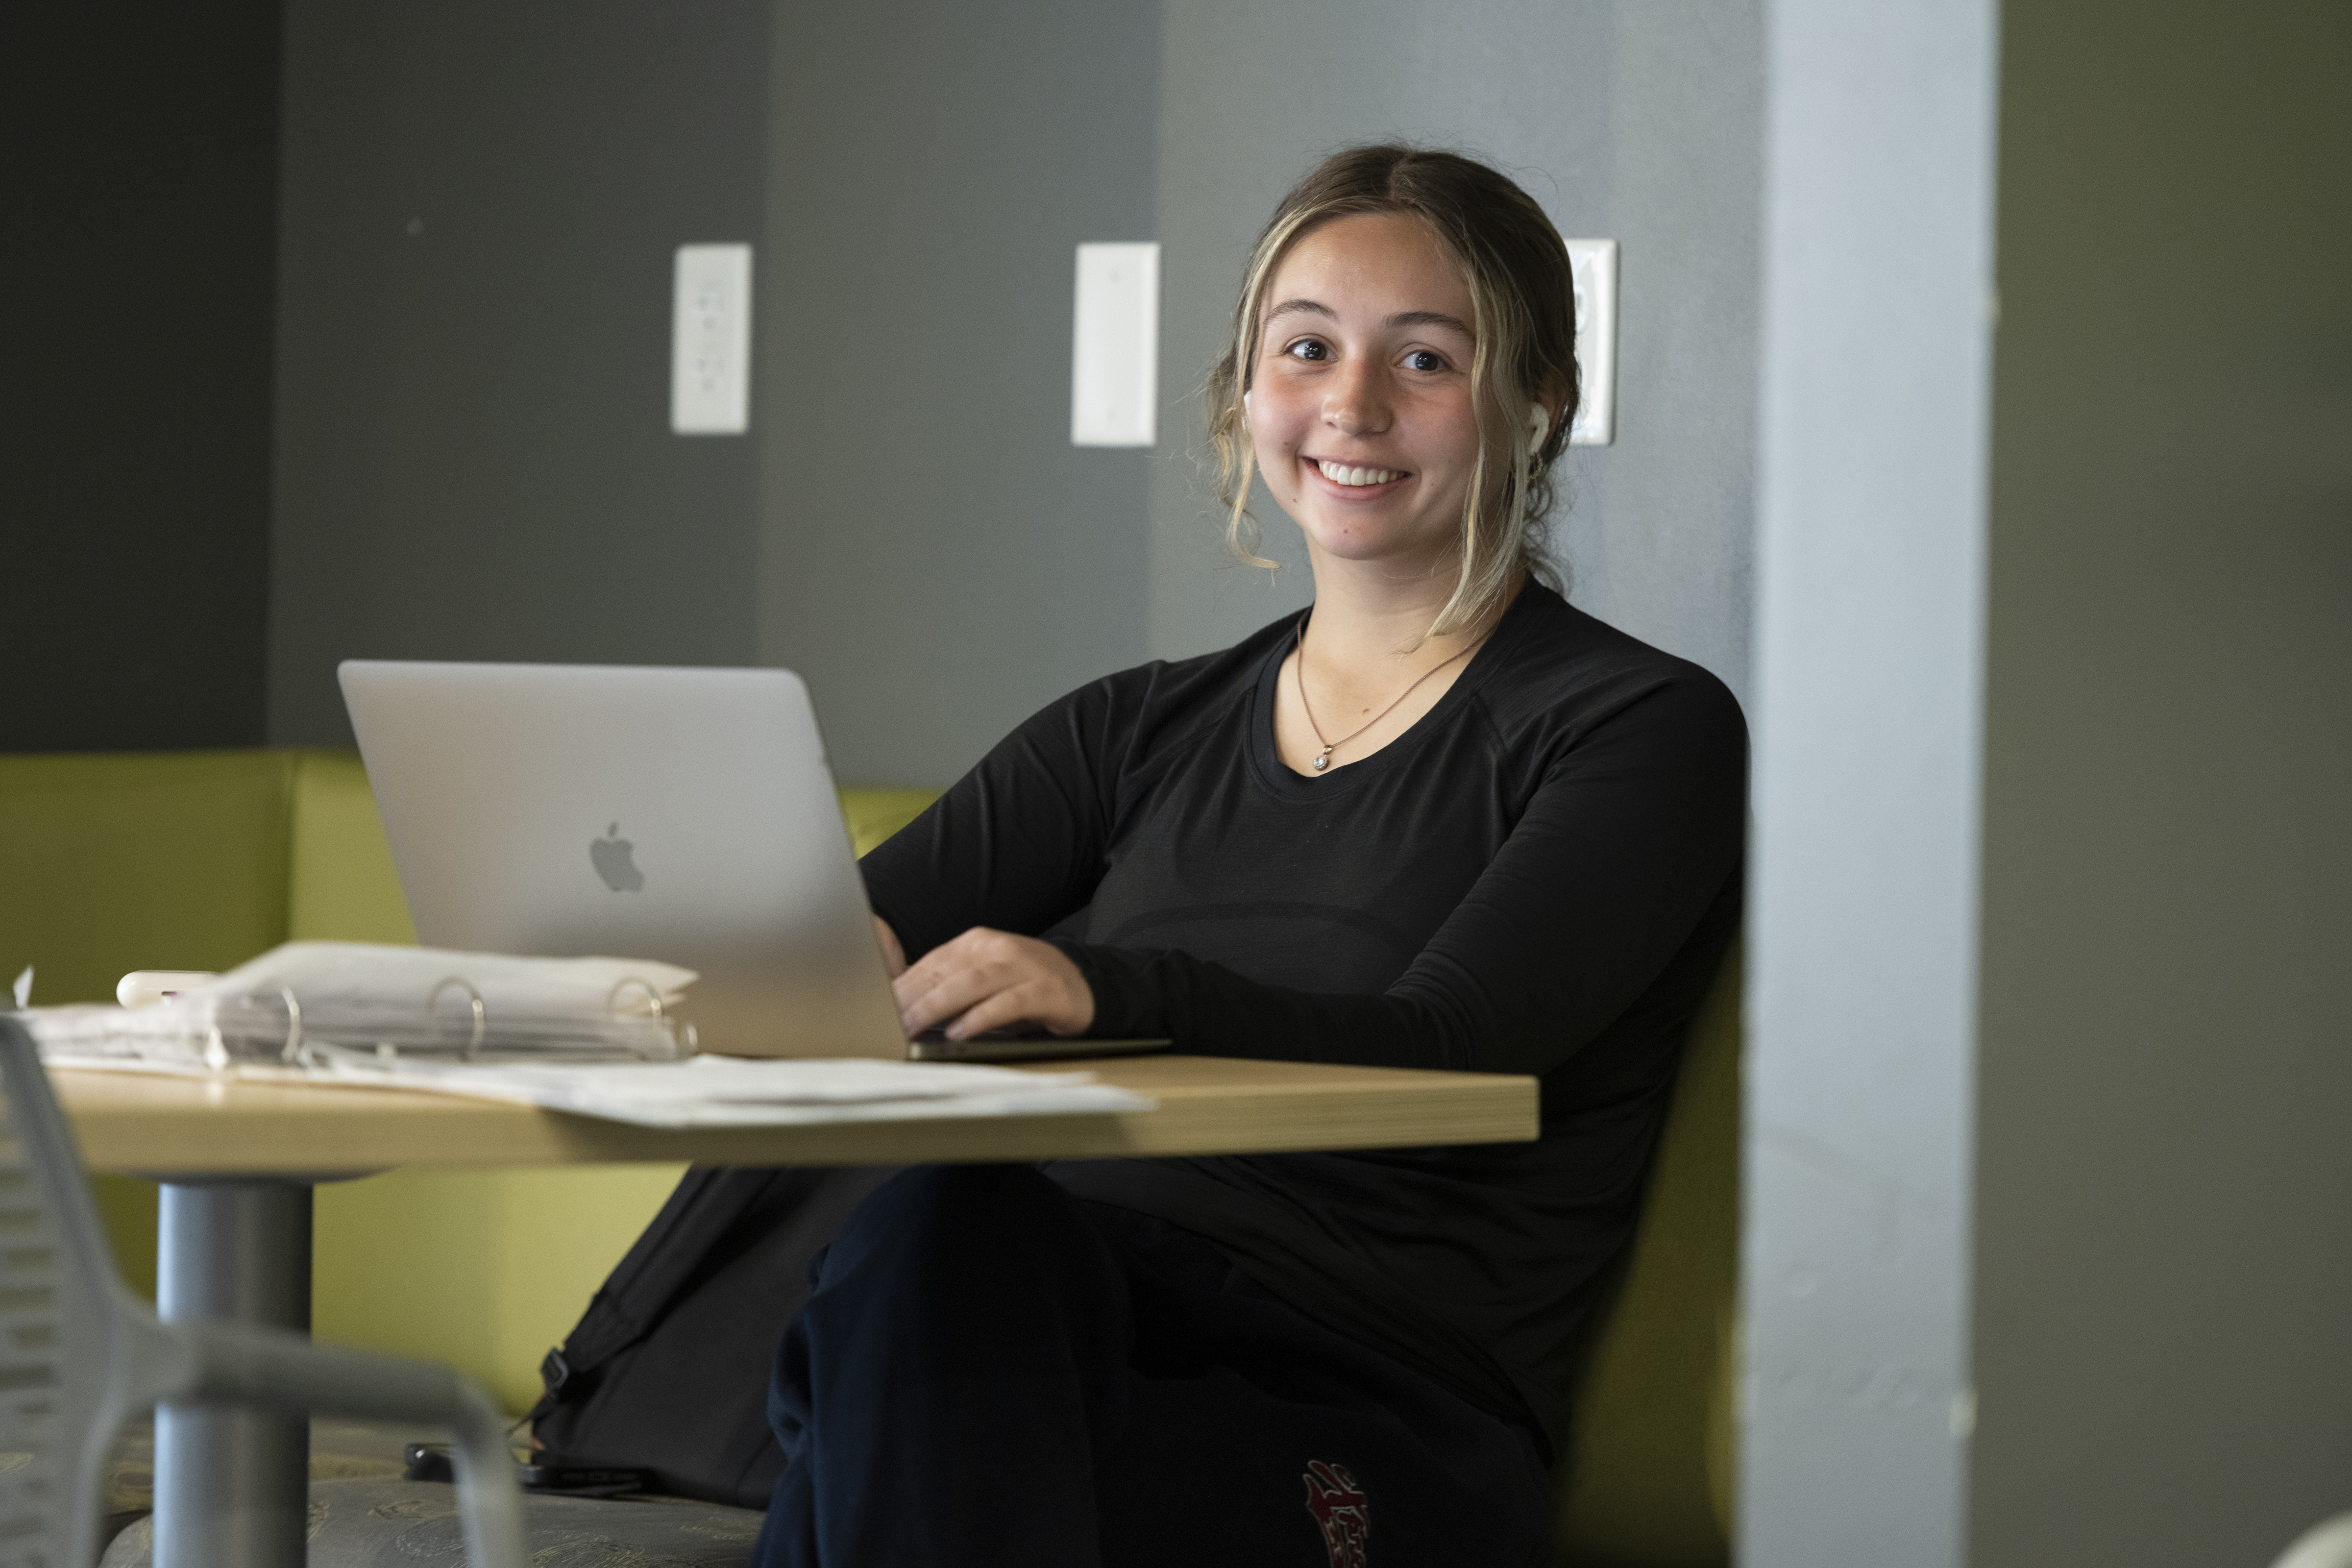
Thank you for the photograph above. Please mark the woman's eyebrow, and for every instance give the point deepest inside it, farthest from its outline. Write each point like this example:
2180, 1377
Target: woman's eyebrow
1402, 319
1430, 319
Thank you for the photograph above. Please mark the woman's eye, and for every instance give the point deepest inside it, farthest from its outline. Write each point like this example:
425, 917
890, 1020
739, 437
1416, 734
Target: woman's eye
1307, 348
1424, 360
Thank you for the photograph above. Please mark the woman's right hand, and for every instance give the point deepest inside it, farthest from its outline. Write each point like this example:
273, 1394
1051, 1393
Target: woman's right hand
894, 957
987, 980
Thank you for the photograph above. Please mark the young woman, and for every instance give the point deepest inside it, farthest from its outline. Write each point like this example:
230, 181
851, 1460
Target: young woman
1442, 820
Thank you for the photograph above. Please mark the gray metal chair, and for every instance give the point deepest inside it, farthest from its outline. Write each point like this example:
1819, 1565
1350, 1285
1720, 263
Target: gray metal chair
2327, 1544
79, 1352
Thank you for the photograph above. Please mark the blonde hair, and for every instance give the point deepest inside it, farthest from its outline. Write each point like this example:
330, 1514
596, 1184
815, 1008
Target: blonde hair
1523, 302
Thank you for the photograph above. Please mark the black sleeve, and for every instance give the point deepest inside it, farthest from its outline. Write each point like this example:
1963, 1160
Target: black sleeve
1017, 843
1633, 832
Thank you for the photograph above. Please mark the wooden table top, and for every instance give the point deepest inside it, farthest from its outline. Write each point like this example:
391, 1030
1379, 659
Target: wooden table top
153, 1124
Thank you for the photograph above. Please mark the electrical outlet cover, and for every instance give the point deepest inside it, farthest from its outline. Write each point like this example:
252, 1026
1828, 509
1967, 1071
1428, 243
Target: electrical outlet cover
1115, 345
710, 341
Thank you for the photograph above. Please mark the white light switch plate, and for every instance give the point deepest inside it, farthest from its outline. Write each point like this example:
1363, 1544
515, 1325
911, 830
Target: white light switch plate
1115, 346
1593, 265
710, 341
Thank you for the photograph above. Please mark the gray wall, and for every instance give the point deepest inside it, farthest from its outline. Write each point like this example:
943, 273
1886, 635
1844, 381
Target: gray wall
1862, 903
479, 203
2164, 1340
935, 556
138, 149
1629, 120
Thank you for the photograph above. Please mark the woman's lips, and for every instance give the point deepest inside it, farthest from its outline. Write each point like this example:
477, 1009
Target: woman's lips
1355, 481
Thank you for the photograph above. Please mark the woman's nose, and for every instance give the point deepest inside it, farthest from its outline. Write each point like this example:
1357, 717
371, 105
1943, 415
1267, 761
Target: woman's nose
1358, 401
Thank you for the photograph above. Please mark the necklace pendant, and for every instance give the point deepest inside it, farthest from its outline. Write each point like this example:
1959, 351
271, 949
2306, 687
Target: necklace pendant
1322, 762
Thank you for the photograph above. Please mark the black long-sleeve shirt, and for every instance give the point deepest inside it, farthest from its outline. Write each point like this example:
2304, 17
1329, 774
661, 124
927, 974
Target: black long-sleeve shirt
1540, 876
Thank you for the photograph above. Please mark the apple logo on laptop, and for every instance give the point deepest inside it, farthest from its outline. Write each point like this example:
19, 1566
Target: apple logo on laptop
610, 856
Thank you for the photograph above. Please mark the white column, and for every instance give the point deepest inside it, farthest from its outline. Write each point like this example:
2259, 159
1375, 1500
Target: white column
1869, 657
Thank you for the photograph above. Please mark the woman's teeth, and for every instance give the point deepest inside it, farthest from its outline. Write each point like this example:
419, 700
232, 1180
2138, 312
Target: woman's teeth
1341, 474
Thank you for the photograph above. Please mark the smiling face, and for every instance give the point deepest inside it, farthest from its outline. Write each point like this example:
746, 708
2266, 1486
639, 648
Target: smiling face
1362, 408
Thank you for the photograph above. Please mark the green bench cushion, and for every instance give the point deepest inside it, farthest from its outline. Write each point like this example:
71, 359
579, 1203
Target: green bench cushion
124, 861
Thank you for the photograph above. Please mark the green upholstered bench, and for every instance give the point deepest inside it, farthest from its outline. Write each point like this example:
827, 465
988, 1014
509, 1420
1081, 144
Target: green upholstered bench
200, 860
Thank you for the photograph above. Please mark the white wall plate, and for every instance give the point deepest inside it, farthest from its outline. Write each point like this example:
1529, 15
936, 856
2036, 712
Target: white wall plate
710, 341
1593, 265
1115, 346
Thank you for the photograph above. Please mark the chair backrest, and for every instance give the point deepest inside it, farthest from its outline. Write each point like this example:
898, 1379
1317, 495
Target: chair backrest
2327, 1544
65, 1361
79, 1352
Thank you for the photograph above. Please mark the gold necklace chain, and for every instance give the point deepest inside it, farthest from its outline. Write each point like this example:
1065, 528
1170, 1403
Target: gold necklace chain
1323, 758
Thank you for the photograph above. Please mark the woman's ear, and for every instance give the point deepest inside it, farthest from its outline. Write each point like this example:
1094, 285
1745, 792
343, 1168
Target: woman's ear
1547, 400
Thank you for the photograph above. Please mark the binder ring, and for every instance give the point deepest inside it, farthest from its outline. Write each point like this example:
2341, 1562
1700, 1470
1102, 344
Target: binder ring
612, 997
481, 1014
660, 1015
292, 1052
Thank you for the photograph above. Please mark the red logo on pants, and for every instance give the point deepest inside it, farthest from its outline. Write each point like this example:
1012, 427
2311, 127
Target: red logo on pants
1341, 1507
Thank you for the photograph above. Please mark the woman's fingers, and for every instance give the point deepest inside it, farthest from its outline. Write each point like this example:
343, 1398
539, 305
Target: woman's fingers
992, 979
1027, 1003
980, 967
928, 990
933, 995
943, 983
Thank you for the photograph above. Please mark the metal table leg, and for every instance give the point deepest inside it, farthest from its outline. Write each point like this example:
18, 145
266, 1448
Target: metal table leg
232, 1486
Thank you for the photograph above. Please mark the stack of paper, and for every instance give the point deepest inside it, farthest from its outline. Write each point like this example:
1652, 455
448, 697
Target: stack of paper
730, 1092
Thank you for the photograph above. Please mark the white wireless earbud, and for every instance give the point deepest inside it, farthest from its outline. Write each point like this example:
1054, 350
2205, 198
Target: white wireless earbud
1539, 426
1245, 405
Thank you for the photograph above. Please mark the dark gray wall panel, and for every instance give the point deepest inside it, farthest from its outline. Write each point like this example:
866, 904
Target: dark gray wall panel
480, 205
938, 559
138, 146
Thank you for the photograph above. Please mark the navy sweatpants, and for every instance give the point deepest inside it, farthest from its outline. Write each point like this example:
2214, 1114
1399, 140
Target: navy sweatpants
991, 1372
